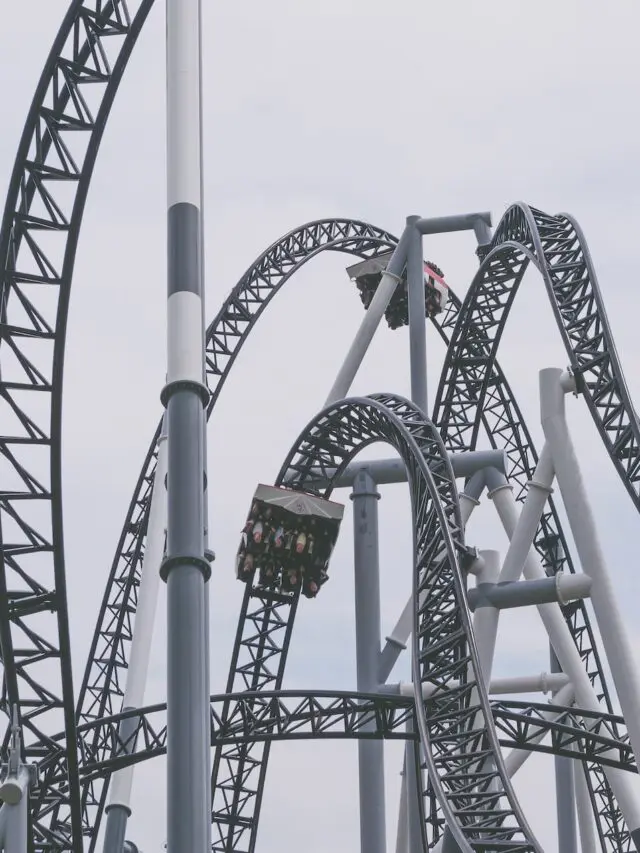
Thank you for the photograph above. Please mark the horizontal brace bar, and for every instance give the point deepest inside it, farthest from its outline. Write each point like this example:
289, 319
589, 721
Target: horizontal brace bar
544, 682
386, 471
459, 222
561, 588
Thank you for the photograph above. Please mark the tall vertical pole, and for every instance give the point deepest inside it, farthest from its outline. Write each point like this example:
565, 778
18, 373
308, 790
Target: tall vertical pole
418, 363
417, 323
119, 807
185, 569
565, 791
365, 497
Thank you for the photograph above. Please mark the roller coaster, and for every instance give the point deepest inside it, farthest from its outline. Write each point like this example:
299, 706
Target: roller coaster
68, 755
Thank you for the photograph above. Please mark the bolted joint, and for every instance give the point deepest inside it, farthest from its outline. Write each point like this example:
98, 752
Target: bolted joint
170, 563
198, 388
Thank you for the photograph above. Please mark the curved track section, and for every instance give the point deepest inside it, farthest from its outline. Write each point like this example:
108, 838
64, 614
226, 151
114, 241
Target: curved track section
456, 725
556, 245
38, 239
302, 715
255, 660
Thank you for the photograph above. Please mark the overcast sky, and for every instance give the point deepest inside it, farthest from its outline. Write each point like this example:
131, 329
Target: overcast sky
367, 110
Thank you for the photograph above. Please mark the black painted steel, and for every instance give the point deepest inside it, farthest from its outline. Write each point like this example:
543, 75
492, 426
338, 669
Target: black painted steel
505, 426
300, 715
38, 239
456, 725
556, 246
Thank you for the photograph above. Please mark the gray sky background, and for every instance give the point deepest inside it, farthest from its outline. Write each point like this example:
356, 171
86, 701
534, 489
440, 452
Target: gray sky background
365, 110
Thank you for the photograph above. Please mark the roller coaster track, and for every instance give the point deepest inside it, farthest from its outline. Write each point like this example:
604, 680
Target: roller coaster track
295, 715
38, 240
39, 235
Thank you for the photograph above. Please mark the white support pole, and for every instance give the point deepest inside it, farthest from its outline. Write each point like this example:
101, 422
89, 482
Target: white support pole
119, 807
398, 638
583, 807
526, 525
371, 321
622, 661
485, 619
402, 837
570, 660
514, 759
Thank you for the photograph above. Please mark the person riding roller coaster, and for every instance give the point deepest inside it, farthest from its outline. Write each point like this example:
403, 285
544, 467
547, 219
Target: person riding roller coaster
367, 276
289, 552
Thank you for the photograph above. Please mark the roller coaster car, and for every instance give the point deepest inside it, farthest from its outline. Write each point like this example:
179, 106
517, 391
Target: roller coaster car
287, 539
367, 275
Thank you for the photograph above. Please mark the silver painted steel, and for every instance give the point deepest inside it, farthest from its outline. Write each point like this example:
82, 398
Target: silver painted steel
365, 497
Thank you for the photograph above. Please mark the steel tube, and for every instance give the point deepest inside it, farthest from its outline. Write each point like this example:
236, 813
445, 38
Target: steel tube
521, 544
402, 836
413, 782
417, 320
365, 499
119, 807
514, 760
569, 657
583, 526
562, 588
386, 471
583, 809
185, 569
458, 222
370, 322
396, 642
565, 793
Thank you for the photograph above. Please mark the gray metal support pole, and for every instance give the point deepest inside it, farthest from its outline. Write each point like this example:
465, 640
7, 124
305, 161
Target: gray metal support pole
457, 222
370, 322
365, 498
417, 320
565, 792
414, 791
16, 827
185, 569
402, 837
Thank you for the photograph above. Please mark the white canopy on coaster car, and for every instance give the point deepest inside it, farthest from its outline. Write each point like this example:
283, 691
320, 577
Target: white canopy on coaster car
299, 503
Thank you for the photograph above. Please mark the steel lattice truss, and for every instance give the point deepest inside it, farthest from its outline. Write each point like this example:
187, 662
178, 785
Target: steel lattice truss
556, 246
290, 715
38, 240
103, 686
455, 724
39, 235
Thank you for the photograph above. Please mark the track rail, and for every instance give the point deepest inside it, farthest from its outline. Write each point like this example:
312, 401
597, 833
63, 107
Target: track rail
38, 239
557, 247
301, 715
255, 660
456, 725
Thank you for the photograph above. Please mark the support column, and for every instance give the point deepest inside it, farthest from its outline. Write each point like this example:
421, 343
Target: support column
615, 639
365, 498
371, 321
119, 808
583, 806
413, 782
185, 569
402, 839
572, 665
565, 792
417, 319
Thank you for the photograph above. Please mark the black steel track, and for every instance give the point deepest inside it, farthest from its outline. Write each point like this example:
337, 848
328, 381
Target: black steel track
301, 715
225, 335
456, 725
38, 239
557, 247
